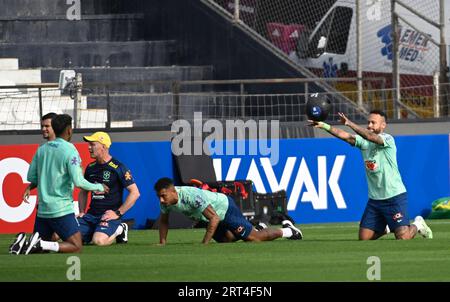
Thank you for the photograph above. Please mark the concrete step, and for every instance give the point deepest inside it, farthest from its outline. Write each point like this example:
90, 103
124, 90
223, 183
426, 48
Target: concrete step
122, 124
51, 99
92, 118
160, 107
22, 76
24, 8
134, 74
125, 107
8, 63
90, 54
152, 122
129, 27
21, 111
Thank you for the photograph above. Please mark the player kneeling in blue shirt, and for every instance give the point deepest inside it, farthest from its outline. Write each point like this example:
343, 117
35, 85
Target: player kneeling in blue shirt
102, 224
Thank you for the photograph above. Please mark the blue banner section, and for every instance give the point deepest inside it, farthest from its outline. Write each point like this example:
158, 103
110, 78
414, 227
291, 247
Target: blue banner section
324, 178
424, 164
148, 161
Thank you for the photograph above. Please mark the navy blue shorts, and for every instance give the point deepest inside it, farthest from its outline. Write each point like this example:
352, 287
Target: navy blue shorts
235, 222
90, 224
392, 212
64, 226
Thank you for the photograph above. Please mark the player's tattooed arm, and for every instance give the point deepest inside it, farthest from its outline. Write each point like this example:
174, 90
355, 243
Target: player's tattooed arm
366, 134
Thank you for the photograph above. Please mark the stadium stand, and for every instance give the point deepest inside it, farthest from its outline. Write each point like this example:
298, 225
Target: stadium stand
139, 43
148, 63
109, 44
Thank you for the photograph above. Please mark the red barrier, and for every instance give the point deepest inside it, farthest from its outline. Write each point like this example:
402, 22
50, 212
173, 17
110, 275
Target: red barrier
16, 215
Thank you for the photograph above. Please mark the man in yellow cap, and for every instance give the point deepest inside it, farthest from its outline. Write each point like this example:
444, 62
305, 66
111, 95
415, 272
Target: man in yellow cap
102, 224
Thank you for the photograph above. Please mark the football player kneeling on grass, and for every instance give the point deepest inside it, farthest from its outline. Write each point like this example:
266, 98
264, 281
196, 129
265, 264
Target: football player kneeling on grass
225, 221
388, 200
102, 224
54, 170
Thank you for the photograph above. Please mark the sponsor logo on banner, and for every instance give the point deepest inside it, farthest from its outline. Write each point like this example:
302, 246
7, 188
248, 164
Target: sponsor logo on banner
9, 212
413, 46
298, 174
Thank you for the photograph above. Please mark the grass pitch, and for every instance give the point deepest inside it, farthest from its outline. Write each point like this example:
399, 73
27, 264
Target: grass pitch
329, 252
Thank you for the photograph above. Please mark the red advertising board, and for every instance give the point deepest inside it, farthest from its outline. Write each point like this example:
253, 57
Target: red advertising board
16, 215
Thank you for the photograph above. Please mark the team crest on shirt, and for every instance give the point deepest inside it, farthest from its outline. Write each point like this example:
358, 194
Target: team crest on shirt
371, 165
398, 217
106, 175
128, 175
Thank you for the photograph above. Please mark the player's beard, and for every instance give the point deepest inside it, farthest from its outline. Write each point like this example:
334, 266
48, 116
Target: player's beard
376, 131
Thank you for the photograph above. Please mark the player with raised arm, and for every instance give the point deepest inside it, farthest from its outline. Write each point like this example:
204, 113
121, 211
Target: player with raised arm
388, 202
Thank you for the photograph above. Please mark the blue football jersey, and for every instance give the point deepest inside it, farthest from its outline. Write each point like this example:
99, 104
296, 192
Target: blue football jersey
116, 176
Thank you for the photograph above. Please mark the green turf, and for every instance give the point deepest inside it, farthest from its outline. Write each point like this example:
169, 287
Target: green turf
329, 252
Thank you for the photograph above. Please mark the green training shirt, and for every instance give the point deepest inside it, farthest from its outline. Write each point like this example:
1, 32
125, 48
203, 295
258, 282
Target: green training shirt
193, 201
55, 168
383, 177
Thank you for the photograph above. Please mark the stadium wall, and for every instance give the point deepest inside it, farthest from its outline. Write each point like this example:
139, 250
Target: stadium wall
120, 135
324, 178
206, 38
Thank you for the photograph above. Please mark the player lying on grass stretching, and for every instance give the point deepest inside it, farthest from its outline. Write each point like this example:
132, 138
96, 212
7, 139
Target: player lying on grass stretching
388, 201
225, 221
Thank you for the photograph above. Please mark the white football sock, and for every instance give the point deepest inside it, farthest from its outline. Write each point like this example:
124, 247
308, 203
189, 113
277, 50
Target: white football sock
119, 230
50, 246
287, 232
418, 225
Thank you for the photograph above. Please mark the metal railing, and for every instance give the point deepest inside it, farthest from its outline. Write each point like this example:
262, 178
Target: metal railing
159, 103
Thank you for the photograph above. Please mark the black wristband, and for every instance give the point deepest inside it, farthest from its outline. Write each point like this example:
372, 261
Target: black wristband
118, 213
